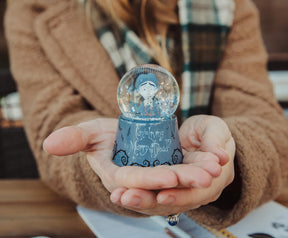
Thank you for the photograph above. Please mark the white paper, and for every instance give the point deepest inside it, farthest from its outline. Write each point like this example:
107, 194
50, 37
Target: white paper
108, 225
270, 220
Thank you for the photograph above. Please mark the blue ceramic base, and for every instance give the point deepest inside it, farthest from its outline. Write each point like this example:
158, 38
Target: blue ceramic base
147, 143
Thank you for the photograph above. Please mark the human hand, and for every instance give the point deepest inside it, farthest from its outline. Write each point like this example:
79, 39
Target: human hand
205, 133
205, 139
96, 138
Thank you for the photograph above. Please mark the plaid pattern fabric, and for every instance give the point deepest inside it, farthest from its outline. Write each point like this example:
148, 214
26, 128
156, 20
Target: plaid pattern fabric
205, 25
124, 47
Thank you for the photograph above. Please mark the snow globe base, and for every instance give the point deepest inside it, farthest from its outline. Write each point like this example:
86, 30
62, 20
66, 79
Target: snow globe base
147, 143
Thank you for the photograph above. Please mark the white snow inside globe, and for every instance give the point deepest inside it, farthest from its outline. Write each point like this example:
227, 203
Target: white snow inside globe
148, 92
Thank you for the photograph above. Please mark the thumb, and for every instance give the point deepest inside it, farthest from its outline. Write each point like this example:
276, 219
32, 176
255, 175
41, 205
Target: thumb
214, 139
207, 133
66, 141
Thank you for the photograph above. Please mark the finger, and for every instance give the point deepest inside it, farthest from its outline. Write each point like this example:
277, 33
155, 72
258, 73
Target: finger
205, 133
188, 137
146, 178
195, 197
185, 197
72, 139
144, 201
113, 176
198, 156
214, 138
139, 198
205, 160
65, 141
99, 126
192, 130
192, 176
213, 168
214, 144
116, 195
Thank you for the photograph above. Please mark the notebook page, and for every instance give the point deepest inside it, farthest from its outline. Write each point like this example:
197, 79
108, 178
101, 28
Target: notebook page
108, 225
269, 221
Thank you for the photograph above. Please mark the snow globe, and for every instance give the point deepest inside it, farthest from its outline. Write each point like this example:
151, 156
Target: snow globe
147, 136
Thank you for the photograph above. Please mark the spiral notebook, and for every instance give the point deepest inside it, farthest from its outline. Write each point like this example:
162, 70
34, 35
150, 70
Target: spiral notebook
268, 221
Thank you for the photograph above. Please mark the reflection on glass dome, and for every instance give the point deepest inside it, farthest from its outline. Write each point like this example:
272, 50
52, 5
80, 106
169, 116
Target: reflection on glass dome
148, 92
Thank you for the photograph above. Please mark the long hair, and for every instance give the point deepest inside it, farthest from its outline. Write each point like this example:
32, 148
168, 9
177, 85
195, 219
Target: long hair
148, 18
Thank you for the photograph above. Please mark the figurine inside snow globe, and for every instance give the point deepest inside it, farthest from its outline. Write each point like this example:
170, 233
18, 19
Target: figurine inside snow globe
147, 136
147, 86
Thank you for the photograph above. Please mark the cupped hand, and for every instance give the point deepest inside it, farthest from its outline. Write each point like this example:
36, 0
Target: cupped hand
96, 139
207, 142
137, 185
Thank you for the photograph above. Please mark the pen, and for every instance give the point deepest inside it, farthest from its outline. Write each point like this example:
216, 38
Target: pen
174, 229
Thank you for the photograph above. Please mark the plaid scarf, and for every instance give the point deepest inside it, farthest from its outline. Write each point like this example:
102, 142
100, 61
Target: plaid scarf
205, 25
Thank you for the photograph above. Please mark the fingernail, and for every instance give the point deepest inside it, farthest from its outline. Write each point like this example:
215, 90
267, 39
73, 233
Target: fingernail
134, 202
114, 197
166, 199
43, 146
223, 155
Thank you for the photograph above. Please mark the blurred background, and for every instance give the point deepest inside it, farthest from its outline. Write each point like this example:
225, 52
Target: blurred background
16, 159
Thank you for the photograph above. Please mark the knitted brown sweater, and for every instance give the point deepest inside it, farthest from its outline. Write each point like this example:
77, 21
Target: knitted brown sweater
60, 68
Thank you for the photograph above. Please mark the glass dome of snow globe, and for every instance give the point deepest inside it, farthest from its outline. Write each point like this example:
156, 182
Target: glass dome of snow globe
148, 92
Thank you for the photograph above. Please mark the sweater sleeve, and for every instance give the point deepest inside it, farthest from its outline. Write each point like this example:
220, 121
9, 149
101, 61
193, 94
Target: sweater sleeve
49, 102
243, 97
